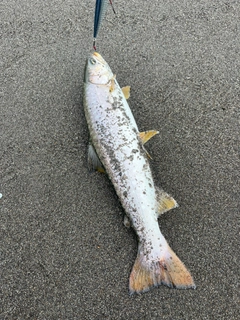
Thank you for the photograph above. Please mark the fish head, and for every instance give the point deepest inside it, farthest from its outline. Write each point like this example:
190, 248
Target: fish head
97, 71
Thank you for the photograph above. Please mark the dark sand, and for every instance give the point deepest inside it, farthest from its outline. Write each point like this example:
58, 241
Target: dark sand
65, 253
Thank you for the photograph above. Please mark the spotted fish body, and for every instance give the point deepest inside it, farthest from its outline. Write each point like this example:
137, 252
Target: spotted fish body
119, 148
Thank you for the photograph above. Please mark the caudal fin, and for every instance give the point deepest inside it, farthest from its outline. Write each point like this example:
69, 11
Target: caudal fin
168, 270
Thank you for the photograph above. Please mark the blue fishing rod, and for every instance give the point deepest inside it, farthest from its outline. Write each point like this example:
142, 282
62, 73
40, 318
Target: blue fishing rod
100, 9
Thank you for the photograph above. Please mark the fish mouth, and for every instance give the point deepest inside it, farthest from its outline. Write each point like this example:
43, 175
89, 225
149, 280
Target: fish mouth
99, 58
96, 54
97, 70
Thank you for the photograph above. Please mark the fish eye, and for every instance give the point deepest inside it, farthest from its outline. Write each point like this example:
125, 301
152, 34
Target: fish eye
93, 61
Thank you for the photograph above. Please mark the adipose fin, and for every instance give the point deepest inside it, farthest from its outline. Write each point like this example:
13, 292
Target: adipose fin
147, 135
164, 202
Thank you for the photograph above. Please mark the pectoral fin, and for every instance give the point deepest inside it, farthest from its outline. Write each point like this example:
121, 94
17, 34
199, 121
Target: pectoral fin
164, 202
126, 92
94, 162
147, 135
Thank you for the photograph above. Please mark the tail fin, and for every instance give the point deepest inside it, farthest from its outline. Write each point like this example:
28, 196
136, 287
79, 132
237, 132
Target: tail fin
168, 270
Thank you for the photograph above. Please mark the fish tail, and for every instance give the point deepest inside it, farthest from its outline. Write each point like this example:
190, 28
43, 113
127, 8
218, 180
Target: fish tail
167, 270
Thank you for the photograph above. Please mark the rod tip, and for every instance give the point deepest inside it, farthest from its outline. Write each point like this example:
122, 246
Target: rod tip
94, 44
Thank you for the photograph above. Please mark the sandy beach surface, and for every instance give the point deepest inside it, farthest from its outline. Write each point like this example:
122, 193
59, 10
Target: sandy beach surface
65, 253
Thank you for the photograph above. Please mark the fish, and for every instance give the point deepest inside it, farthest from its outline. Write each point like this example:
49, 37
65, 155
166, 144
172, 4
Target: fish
100, 9
117, 148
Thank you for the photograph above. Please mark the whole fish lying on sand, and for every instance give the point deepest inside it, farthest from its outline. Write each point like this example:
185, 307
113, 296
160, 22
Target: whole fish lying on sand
117, 147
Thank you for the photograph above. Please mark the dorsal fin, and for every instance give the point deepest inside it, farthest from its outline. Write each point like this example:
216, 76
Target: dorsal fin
126, 92
147, 135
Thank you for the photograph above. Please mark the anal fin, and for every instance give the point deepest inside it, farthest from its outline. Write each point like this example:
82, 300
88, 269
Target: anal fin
145, 136
164, 201
94, 162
